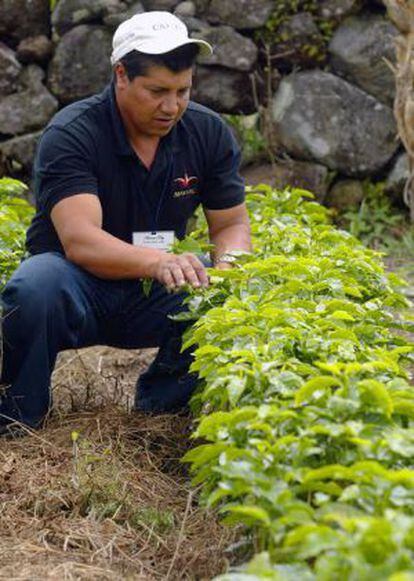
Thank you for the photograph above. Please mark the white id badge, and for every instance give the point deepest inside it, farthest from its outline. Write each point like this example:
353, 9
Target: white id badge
159, 239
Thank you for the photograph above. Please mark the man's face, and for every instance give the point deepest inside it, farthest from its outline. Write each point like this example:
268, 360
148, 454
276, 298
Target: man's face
152, 104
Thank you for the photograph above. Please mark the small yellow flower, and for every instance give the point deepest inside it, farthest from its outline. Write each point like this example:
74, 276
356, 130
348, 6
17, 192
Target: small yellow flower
74, 436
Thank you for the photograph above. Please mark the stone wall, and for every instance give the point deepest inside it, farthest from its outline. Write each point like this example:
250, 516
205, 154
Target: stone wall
317, 67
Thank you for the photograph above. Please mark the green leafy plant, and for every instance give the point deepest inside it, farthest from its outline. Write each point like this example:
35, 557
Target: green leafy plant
305, 403
252, 141
15, 216
376, 222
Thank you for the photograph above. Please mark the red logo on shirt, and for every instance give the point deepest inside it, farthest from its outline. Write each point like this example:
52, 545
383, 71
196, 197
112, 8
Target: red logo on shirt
186, 181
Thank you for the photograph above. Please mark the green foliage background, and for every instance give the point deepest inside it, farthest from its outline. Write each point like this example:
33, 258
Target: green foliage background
15, 216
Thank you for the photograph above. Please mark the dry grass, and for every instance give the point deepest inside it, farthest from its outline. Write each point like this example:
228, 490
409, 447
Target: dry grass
116, 503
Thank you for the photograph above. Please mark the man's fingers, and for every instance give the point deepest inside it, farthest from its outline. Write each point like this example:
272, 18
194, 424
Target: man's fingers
202, 275
183, 269
199, 269
190, 274
177, 274
168, 280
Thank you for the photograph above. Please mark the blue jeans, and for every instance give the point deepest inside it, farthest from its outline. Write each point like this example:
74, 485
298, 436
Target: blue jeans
50, 304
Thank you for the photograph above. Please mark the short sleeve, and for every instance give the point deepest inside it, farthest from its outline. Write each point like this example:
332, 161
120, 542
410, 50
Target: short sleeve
224, 187
63, 167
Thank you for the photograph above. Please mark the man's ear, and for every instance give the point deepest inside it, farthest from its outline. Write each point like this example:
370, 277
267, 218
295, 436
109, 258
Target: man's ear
121, 77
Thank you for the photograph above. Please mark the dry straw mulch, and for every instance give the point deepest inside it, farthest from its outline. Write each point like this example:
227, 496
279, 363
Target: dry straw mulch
116, 503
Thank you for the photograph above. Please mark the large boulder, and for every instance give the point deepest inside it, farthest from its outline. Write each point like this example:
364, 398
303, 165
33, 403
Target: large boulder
19, 152
70, 78
345, 194
35, 49
359, 50
223, 90
10, 70
290, 173
231, 49
29, 109
201, 7
241, 14
168, 5
114, 19
320, 117
71, 13
186, 9
194, 25
299, 43
21, 18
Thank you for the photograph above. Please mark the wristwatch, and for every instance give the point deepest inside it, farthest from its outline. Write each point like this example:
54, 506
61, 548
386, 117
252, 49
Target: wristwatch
226, 257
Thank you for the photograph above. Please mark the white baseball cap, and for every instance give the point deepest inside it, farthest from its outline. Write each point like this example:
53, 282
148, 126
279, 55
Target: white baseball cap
153, 33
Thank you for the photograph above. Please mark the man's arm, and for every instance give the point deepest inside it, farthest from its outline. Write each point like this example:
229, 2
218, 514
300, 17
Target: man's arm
228, 230
78, 222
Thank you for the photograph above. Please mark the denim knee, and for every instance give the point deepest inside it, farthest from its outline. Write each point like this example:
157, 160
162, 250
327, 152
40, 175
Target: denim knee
36, 285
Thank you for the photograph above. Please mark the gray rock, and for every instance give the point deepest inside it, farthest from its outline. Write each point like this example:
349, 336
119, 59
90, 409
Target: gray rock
241, 14
4, 167
323, 118
313, 177
201, 6
185, 9
398, 175
21, 18
337, 10
70, 13
299, 43
114, 20
69, 77
32, 76
20, 150
291, 173
194, 25
168, 5
231, 49
358, 50
35, 49
223, 90
29, 109
10, 70
344, 194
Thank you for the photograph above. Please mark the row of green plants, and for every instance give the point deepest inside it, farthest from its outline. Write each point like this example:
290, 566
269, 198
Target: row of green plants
15, 216
305, 404
306, 407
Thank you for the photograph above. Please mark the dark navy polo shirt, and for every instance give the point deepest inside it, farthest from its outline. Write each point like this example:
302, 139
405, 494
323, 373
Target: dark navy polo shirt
84, 149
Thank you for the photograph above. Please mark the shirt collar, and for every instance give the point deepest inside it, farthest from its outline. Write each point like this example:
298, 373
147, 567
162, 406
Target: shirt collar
122, 145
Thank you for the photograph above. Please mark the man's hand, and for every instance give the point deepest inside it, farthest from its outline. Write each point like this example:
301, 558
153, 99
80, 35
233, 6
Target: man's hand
177, 270
223, 266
